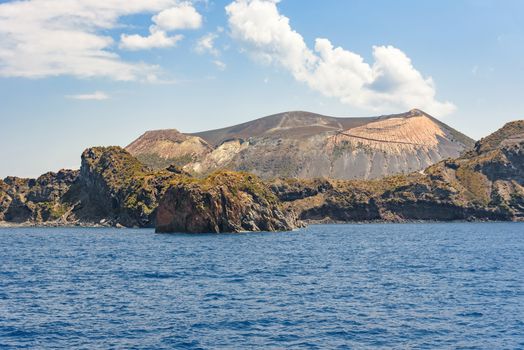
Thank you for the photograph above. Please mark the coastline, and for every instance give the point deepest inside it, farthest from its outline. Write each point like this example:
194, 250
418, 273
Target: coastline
6, 224
307, 223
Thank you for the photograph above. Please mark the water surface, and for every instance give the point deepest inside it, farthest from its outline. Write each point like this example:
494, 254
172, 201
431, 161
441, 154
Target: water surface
334, 286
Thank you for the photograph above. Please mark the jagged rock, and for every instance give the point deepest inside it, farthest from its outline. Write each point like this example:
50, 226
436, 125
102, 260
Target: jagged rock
484, 184
111, 187
223, 202
35, 200
114, 186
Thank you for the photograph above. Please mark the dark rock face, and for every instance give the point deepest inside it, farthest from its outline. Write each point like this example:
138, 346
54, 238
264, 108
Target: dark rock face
36, 200
224, 202
111, 188
484, 184
116, 188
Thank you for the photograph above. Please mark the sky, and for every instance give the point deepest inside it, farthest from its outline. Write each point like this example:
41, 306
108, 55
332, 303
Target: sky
82, 73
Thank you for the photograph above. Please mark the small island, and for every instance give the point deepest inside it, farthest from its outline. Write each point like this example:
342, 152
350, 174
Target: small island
114, 188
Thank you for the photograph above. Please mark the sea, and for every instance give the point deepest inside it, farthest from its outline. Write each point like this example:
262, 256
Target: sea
369, 286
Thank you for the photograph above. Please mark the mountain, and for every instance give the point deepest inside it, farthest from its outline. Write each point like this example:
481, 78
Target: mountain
486, 183
308, 145
162, 148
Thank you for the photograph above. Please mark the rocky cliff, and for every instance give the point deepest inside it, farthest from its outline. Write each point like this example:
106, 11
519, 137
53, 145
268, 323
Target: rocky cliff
222, 202
111, 188
36, 200
484, 184
306, 145
115, 187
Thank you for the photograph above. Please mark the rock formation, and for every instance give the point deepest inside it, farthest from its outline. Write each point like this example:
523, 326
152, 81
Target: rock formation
115, 187
35, 200
484, 184
111, 188
222, 202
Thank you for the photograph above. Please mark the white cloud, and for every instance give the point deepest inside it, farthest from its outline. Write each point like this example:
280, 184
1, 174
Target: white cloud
220, 65
391, 82
40, 38
182, 16
158, 39
97, 95
207, 44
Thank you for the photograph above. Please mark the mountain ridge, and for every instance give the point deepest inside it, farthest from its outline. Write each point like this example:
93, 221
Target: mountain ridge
113, 188
306, 145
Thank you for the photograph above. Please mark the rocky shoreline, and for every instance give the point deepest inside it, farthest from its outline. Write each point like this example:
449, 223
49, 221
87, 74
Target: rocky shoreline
306, 223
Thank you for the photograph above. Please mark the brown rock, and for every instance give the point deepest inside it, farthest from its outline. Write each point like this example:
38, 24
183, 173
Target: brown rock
223, 202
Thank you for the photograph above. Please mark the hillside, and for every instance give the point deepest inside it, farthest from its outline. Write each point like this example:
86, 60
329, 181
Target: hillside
308, 145
114, 188
485, 184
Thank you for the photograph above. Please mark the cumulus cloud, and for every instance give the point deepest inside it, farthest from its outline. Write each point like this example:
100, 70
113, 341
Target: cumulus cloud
206, 45
97, 95
157, 39
40, 38
390, 82
182, 16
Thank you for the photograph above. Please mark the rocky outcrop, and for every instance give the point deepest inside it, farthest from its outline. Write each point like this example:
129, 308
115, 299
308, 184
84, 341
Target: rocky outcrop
111, 188
36, 200
484, 184
5, 200
223, 202
307, 145
114, 187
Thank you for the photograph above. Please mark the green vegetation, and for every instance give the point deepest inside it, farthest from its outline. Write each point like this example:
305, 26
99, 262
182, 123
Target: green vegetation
476, 184
341, 148
235, 182
51, 211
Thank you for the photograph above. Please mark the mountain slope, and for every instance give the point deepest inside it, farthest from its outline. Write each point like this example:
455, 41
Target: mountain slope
486, 183
161, 148
308, 145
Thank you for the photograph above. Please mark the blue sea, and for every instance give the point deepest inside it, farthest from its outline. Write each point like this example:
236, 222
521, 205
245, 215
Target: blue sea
375, 286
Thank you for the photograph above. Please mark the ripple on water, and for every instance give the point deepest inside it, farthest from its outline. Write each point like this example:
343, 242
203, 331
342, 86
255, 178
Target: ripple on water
335, 286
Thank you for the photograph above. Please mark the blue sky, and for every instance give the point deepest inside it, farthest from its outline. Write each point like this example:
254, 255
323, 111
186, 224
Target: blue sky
101, 72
